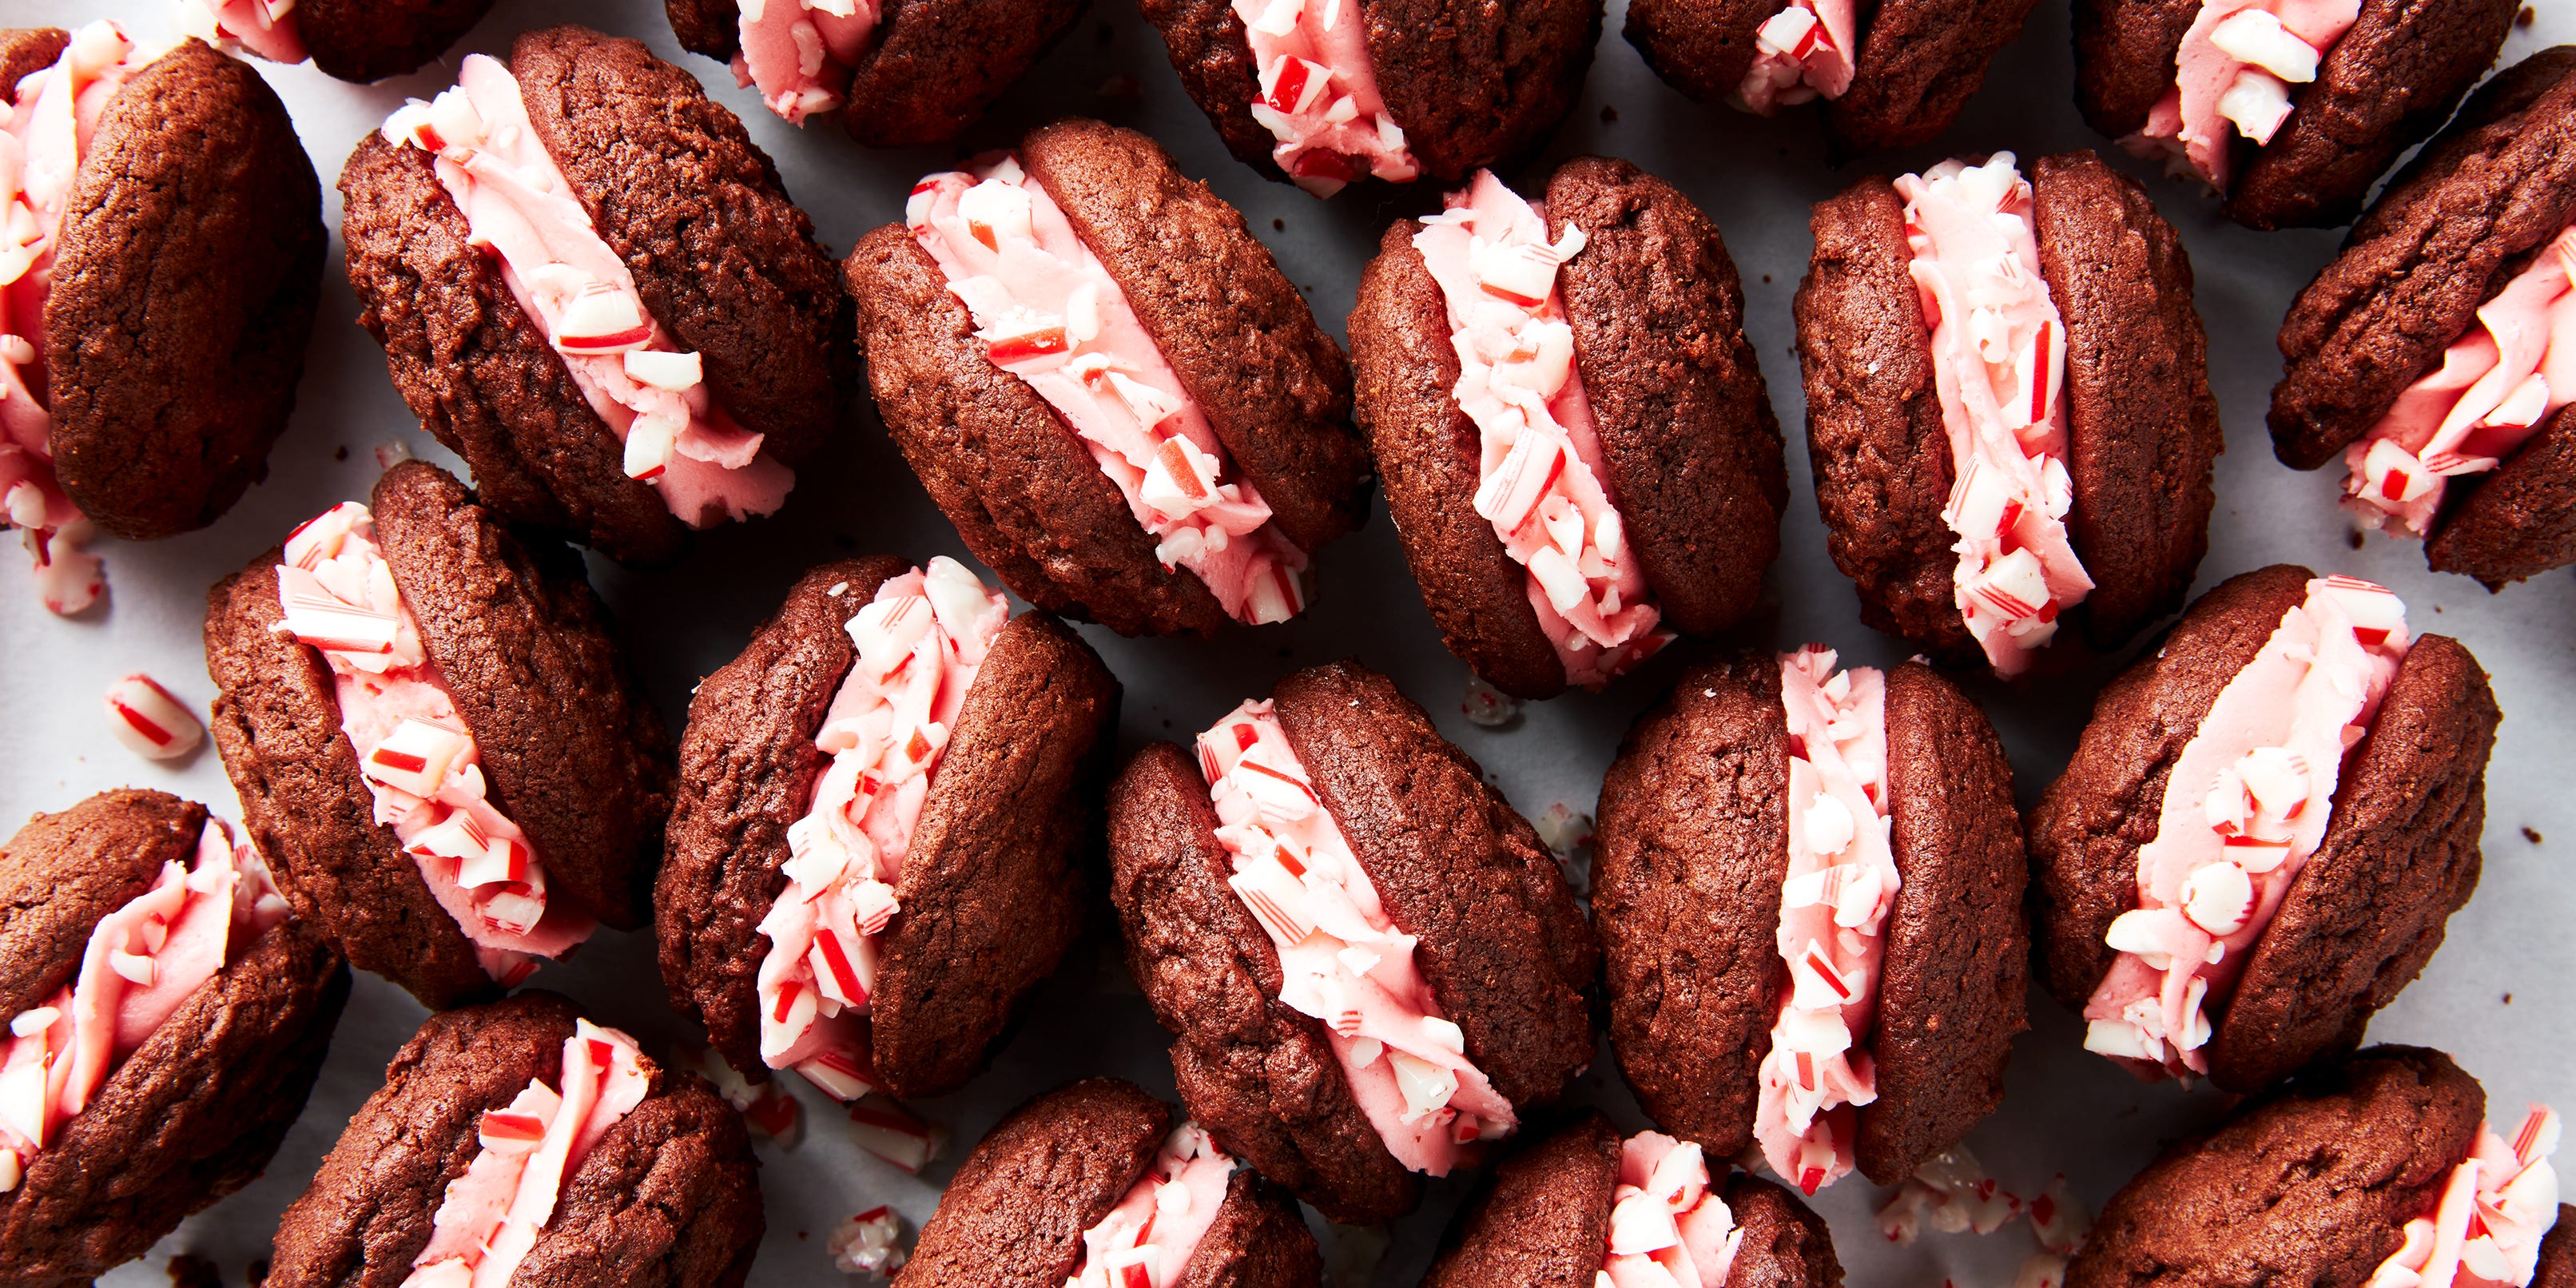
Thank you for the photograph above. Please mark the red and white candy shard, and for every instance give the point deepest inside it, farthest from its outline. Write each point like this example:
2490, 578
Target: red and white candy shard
886, 1129
1317, 94
1800, 53
2233, 73
2486, 1227
149, 721
870, 1243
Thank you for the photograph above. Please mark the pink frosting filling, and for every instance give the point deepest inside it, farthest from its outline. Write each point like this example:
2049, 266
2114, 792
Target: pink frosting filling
1050, 314
491, 1215
800, 52
576, 289
141, 962
264, 27
1833, 915
1668, 1227
1540, 475
419, 759
1341, 959
2495, 387
1146, 1241
1319, 95
2246, 804
42, 142
1801, 53
920, 641
2485, 1229
1999, 359
2233, 74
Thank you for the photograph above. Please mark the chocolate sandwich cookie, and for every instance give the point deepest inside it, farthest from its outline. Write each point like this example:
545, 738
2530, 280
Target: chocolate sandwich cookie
1324, 93
431, 726
1373, 967
354, 40
2423, 355
1973, 502
1892, 75
886, 809
521, 1133
167, 1017
1566, 514
903, 74
1808, 885
162, 268
2376, 1169
592, 286
1099, 1185
1585, 1202
2288, 111
2263, 829
1105, 382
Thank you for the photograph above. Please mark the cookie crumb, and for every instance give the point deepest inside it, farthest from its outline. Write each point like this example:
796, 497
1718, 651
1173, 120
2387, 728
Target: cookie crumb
1278, 225
188, 1270
1120, 88
2508, 999
2525, 18
2353, 538
340, 453
1107, 33
2532, 835
1766, 279
1610, 115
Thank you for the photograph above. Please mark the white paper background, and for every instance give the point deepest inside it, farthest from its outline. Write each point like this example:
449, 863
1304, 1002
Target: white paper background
2499, 996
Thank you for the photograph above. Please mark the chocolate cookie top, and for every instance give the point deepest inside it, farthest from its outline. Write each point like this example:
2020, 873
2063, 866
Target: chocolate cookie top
1785, 1244
62, 872
1013, 1215
186, 272
369, 40
2310, 1184
25, 51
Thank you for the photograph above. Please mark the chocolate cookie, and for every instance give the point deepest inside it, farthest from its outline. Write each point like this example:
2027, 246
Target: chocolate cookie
1269, 391
989, 888
667, 1194
354, 40
2141, 427
690, 232
1016, 1212
2399, 853
1502, 950
922, 73
198, 1107
570, 751
1694, 855
1688, 452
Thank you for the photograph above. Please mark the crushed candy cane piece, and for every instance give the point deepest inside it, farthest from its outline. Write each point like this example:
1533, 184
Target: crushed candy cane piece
1147, 1238
869, 1243
888, 1130
1317, 94
2486, 1225
1487, 707
150, 721
2232, 76
1801, 53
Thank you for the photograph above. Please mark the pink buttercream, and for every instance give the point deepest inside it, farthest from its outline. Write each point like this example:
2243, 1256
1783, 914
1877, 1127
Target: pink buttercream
1999, 359
1833, 913
42, 143
141, 962
2495, 387
1668, 1227
2246, 804
490, 1216
920, 641
800, 52
2485, 1229
1341, 958
1540, 478
1318, 94
264, 27
413, 748
1050, 314
1801, 53
576, 289
1146, 1241
2232, 76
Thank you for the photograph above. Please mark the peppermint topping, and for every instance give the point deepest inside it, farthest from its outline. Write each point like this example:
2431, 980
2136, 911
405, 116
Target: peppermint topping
1147, 1239
1341, 959
1668, 1227
1050, 314
1318, 96
2232, 76
577, 290
1541, 476
2485, 1229
886, 1129
264, 27
2245, 805
1999, 359
2495, 387
800, 52
919, 642
1801, 53
870, 1243
151, 723
419, 760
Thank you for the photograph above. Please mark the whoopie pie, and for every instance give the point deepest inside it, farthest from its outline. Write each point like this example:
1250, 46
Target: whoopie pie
431, 726
1892, 74
157, 284
1325, 93
886, 809
1106, 383
2263, 829
2290, 111
2374, 1170
2440, 346
166, 1023
903, 73
1808, 884
518, 1142
1369, 961
354, 40
1098, 1185
1972, 501
1641, 1212
1609, 473
592, 286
